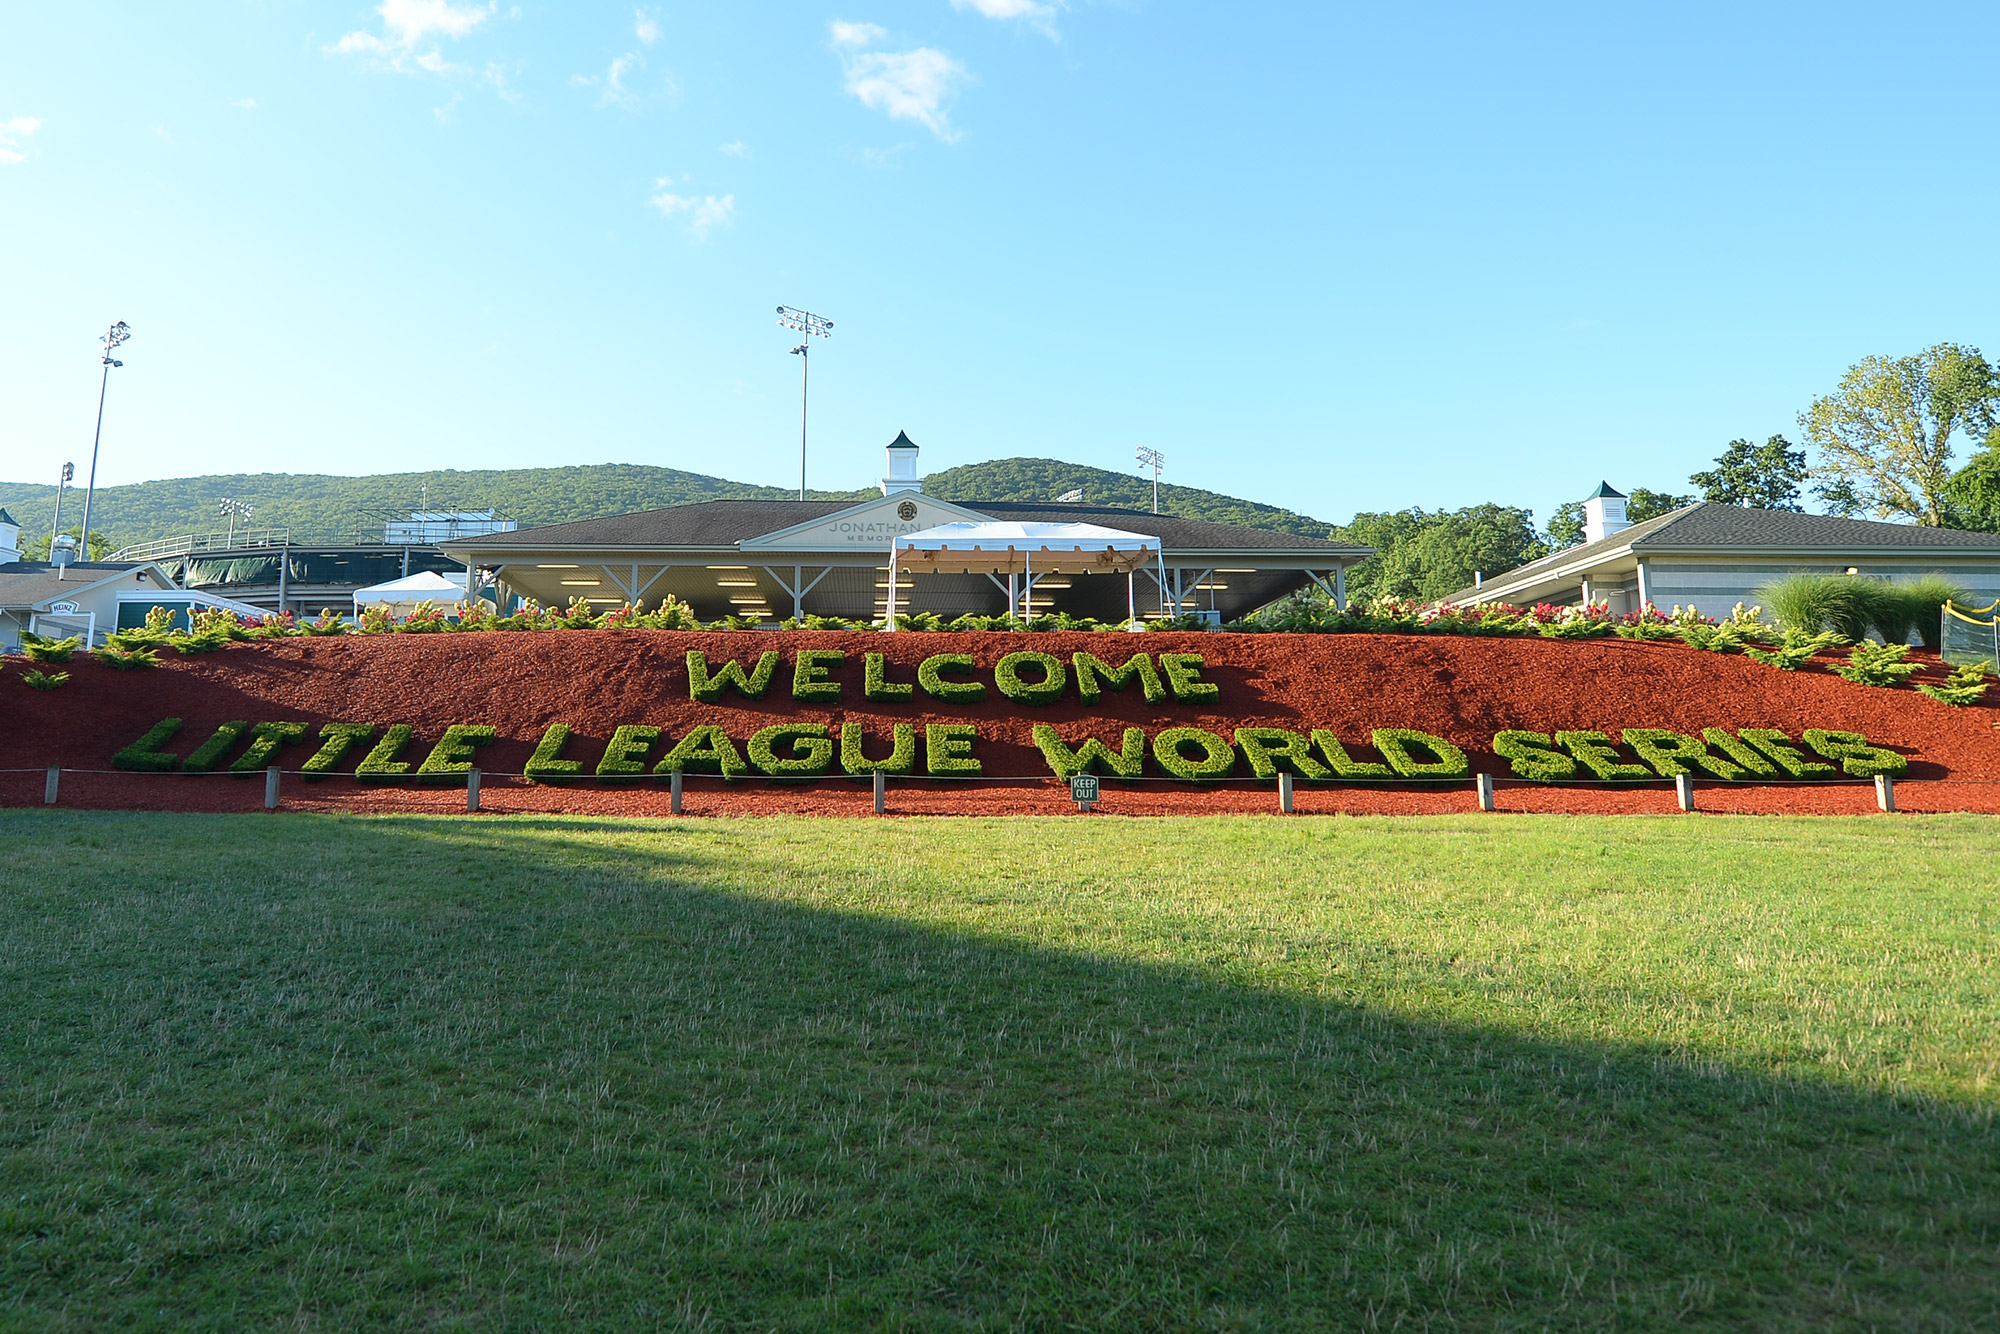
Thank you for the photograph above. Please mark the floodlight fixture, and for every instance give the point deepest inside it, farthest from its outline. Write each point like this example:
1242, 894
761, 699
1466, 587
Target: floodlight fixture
232, 509
1154, 459
113, 336
808, 326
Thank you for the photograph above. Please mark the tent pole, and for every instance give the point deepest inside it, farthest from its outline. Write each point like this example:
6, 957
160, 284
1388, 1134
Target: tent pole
1131, 599
1028, 589
890, 624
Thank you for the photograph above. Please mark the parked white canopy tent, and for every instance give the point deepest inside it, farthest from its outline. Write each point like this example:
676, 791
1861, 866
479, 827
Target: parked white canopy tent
400, 596
1028, 550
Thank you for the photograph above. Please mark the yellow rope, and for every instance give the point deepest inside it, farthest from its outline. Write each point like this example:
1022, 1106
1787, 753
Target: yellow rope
1951, 610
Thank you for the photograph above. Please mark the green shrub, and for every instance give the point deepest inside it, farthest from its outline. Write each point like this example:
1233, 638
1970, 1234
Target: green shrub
1670, 753
875, 682
382, 765
1218, 756
1647, 630
962, 692
1857, 758
266, 738
1533, 755
1928, 593
1594, 751
1723, 638
453, 753
811, 747
36, 679
1966, 685
328, 622
1183, 673
948, 748
1270, 749
336, 739
209, 753
189, 645
705, 750
1812, 603
1782, 751
809, 677
1007, 677
127, 660
708, 689
546, 764
625, 754
1128, 761
1341, 764
1878, 665
1090, 669
902, 751
145, 755
39, 648
1796, 649
1399, 744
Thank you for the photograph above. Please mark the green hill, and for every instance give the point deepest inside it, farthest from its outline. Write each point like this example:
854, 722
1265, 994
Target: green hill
319, 508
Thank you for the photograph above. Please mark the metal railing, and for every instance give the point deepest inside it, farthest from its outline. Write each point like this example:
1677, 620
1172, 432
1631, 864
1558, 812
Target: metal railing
187, 544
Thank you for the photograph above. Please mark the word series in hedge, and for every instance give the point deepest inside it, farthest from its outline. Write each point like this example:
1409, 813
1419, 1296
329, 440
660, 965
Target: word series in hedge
806, 749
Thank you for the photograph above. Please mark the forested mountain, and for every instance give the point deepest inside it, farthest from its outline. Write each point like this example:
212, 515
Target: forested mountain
318, 508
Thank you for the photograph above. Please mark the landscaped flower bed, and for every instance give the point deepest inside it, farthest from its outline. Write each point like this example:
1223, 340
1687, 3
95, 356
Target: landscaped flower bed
836, 705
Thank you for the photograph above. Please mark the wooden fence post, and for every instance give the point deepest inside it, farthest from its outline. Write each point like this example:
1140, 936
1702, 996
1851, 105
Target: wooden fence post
1485, 786
49, 787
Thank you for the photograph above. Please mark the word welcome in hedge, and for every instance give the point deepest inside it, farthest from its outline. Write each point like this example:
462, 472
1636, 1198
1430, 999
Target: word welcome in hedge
1194, 754
1026, 677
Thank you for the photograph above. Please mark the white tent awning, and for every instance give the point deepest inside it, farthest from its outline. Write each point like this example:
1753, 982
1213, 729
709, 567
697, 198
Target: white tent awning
428, 586
1021, 548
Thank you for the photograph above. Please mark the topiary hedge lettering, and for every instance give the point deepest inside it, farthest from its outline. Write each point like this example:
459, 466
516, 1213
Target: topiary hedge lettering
1054, 678
452, 756
266, 738
205, 757
1128, 761
902, 757
145, 755
810, 750
547, 765
625, 753
336, 739
707, 689
1218, 756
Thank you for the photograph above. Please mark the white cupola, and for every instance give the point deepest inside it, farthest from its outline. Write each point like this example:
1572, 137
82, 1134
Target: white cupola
902, 466
10, 539
1603, 513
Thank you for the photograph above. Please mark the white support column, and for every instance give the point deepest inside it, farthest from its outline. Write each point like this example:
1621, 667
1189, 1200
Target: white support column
1340, 588
889, 623
1645, 592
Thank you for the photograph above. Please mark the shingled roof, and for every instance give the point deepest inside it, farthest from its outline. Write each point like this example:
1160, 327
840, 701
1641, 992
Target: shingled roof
722, 523
1707, 527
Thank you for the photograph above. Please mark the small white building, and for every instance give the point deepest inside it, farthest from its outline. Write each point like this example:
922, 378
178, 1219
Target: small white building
88, 599
1712, 557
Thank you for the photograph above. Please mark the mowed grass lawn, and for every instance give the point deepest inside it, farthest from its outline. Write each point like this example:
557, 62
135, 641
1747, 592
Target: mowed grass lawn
1238, 1073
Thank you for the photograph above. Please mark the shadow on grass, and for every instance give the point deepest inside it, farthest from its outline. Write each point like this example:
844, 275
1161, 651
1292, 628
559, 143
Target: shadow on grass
528, 1073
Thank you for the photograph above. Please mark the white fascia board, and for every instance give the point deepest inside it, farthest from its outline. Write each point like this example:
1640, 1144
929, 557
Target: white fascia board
1500, 586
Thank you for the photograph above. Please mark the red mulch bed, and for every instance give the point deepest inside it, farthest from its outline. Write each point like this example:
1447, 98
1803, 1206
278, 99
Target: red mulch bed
1462, 688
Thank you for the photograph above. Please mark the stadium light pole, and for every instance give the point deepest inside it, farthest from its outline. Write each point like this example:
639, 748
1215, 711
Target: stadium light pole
117, 334
63, 480
1154, 459
808, 324
232, 508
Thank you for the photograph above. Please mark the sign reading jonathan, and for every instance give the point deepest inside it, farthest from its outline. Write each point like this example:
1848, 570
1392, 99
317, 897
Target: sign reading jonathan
801, 746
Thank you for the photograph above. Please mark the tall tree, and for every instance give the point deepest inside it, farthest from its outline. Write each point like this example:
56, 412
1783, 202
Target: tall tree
1973, 494
1766, 475
1888, 430
1431, 554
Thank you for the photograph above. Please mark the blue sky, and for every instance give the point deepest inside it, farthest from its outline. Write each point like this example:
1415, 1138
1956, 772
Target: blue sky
1328, 256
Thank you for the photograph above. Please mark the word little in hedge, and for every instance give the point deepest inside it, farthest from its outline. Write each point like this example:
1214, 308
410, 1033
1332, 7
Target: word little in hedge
1026, 677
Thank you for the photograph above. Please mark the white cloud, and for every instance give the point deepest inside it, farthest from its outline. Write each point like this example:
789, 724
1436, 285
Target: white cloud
904, 85
408, 24
737, 149
702, 211
615, 91
645, 27
245, 103
1042, 16
857, 34
12, 132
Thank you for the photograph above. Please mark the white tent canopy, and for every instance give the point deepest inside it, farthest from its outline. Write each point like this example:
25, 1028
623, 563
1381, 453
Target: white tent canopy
1025, 549
409, 591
